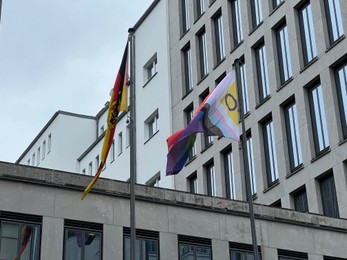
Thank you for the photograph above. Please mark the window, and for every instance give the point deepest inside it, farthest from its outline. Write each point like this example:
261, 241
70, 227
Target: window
152, 124
300, 200
293, 136
270, 152
334, 19
211, 179
328, 195
291, 255
244, 86
203, 60
127, 141
262, 73
229, 174
82, 241
146, 244
43, 149
219, 37
28, 163
207, 139
194, 248
276, 3
236, 23
84, 171
242, 251
90, 169
38, 156
189, 113
97, 163
151, 68
285, 65
200, 8
188, 72
319, 125
249, 144
18, 239
193, 183
341, 80
112, 151
185, 21
33, 159
307, 33
256, 12
49, 144
154, 181
120, 143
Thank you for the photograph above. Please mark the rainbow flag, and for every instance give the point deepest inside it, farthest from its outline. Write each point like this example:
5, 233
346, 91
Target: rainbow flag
217, 115
118, 102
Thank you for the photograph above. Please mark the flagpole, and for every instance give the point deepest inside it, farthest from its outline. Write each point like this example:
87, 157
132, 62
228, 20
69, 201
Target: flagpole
236, 64
132, 124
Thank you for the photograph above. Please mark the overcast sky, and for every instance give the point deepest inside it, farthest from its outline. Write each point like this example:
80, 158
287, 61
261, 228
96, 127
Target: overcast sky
57, 55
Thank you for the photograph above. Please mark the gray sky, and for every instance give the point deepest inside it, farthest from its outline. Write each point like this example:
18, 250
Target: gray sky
57, 55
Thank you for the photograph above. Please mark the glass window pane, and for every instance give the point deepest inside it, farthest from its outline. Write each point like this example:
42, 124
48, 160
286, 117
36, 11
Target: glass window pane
73, 244
30, 243
342, 96
249, 144
262, 73
92, 246
334, 19
9, 240
284, 54
270, 152
186, 252
307, 33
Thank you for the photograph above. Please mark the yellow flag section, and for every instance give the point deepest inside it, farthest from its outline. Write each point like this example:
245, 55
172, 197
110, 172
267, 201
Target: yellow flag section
118, 102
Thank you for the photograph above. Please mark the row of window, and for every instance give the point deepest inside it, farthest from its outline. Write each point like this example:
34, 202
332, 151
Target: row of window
309, 50
83, 241
41, 154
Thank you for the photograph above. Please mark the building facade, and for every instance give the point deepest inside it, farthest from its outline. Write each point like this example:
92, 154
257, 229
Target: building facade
42, 217
293, 76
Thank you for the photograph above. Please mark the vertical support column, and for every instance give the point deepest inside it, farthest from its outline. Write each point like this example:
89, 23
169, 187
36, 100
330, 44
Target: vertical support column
52, 238
112, 242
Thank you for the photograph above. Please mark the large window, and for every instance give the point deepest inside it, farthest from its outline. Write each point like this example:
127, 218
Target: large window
146, 244
207, 139
250, 157
82, 241
219, 37
334, 19
319, 125
200, 7
291, 255
189, 113
229, 174
185, 19
193, 183
256, 12
262, 73
236, 23
270, 152
188, 70
285, 64
244, 86
276, 3
341, 80
203, 60
211, 179
328, 195
192, 248
300, 200
240, 251
293, 136
18, 239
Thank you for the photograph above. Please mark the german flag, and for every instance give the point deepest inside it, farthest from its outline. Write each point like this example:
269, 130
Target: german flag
118, 102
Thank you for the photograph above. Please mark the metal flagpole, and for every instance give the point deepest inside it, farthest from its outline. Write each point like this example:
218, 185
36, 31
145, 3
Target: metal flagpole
236, 64
132, 144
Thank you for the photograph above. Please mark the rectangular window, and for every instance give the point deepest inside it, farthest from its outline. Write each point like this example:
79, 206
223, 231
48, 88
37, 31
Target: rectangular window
293, 136
82, 241
211, 179
334, 19
207, 139
194, 248
151, 67
193, 183
127, 141
285, 64
291, 255
203, 60
185, 21
262, 73
276, 3
219, 38
270, 152
250, 157
19, 240
300, 200
49, 143
90, 169
112, 152
242, 251
200, 8
97, 163
319, 125
236, 23
307, 33
328, 195
256, 12
188, 70
229, 174
38, 156
84, 171
341, 80
120, 143
43, 149
33, 159
244, 86
189, 113
152, 124
154, 181
28, 163
146, 244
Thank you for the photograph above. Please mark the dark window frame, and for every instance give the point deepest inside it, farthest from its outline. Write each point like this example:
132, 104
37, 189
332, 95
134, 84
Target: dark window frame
187, 69
262, 71
236, 23
283, 52
300, 200
330, 207
195, 242
218, 37
329, 23
341, 103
